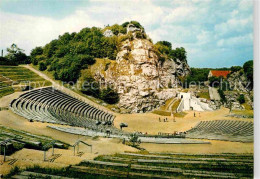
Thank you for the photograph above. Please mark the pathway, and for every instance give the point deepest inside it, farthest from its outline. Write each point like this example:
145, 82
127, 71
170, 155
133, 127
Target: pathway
67, 90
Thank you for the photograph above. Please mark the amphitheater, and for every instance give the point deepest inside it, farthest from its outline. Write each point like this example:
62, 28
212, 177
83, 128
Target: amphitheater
53, 106
208, 146
230, 130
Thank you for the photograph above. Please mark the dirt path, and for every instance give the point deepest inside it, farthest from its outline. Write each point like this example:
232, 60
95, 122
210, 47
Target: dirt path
67, 90
169, 107
149, 122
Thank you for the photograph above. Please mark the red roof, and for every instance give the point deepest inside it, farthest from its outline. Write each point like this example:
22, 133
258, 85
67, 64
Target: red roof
220, 73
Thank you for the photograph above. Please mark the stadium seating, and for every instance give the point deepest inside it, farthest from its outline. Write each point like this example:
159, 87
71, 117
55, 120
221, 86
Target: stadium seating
53, 106
231, 130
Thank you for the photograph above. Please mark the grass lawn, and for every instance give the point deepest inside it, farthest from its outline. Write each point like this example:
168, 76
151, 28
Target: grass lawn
13, 78
204, 95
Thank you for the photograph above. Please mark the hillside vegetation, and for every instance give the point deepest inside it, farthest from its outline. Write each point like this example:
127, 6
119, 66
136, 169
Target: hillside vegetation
73, 56
17, 78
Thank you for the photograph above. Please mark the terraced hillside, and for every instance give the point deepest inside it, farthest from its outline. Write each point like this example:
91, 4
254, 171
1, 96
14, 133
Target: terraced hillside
170, 165
156, 165
53, 106
15, 78
20, 139
230, 130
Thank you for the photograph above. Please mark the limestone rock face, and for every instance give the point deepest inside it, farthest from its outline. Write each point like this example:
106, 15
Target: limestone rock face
108, 33
140, 78
238, 82
132, 28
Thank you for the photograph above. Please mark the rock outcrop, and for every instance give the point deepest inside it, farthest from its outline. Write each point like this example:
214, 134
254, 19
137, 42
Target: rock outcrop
108, 33
140, 78
239, 83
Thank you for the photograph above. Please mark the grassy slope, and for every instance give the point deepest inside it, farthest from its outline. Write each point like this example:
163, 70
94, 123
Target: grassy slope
19, 76
100, 64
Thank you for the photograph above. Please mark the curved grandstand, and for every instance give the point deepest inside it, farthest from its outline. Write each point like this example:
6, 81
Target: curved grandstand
53, 106
230, 130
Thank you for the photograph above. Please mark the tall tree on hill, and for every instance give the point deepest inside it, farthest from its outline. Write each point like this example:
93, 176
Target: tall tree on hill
16, 55
249, 72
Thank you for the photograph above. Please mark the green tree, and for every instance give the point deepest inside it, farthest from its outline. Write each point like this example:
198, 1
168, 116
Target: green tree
214, 81
15, 55
249, 71
241, 99
235, 68
36, 51
42, 66
163, 47
89, 85
179, 53
134, 139
109, 95
222, 95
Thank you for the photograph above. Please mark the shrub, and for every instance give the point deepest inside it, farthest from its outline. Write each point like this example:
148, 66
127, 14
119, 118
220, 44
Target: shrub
134, 140
214, 81
42, 66
34, 61
139, 35
249, 71
89, 86
109, 96
241, 99
222, 95
235, 68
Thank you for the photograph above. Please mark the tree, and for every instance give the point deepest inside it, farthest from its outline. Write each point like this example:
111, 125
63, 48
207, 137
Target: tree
178, 53
235, 68
241, 99
137, 24
163, 47
222, 95
214, 81
134, 139
36, 51
89, 85
15, 55
116, 29
109, 96
165, 43
249, 72
42, 66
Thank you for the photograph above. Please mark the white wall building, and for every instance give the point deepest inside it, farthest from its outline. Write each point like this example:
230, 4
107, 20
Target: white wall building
189, 102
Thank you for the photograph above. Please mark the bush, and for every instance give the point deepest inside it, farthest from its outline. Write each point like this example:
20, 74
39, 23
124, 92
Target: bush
214, 81
5, 61
235, 68
42, 66
222, 95
139, 35
249, 72
179, 53
109, 96
89, 86
241, 99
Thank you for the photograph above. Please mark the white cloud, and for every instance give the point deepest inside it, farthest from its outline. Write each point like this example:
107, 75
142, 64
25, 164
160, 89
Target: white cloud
238, 41
234, 25
194, 24
28, 31
180, 14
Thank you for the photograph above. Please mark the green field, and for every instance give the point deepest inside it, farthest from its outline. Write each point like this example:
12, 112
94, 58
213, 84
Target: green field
155, 165
15, 78
21, 139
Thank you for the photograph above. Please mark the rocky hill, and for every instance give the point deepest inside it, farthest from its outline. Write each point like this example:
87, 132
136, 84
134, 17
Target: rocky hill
241, 83
141, 74
141, 79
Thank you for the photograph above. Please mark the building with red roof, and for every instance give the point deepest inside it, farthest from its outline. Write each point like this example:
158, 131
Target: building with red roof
218, 73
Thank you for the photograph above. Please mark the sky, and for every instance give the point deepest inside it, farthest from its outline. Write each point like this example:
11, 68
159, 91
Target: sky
215, 33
